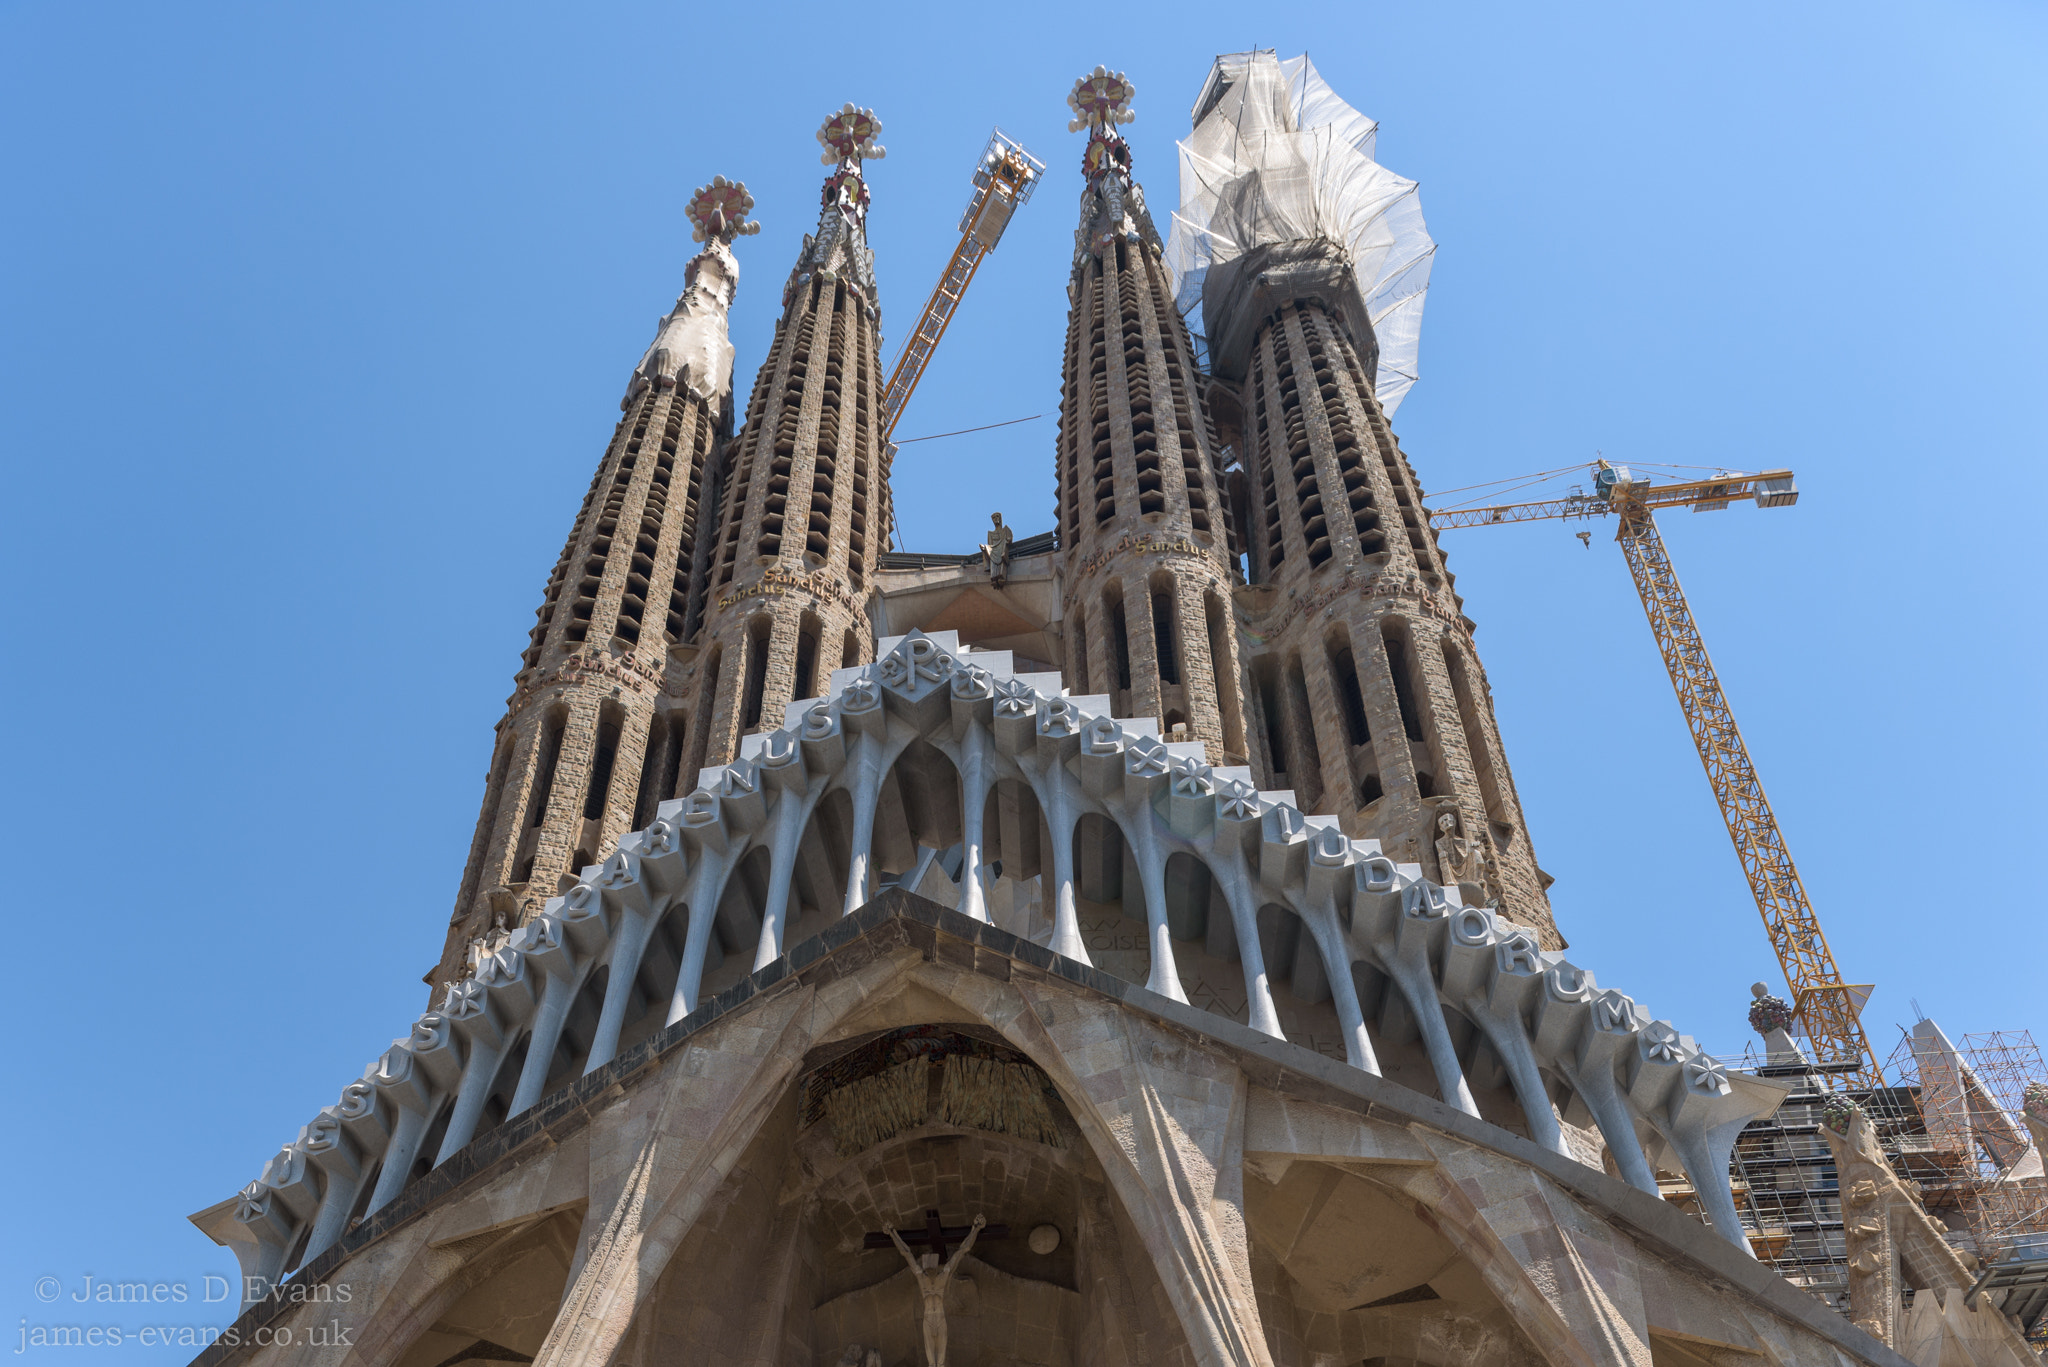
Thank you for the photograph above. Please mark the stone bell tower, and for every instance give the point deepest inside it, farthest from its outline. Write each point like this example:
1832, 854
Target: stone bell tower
588, 744
806, 495
1371, 701
1143, 528
963, 1020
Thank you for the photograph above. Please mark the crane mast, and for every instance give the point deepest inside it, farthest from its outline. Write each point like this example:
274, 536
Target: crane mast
1003, 179
1827, 1007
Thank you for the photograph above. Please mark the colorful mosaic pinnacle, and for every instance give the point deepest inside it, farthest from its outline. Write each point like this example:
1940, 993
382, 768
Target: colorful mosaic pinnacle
1768, 1013
1100, 101
1101, 98
847, 191
718, 211
849, 135
1839, 1113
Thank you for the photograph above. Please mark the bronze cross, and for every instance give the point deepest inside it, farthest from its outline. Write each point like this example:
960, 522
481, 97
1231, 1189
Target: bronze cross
934, 1235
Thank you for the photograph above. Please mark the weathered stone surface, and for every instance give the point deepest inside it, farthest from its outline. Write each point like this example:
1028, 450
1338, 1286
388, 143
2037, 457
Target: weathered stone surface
1893, 1246
1223, 1197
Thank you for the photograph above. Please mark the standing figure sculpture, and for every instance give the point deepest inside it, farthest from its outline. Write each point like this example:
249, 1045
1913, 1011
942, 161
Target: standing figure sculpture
932, 1280
997, 551
1458, 859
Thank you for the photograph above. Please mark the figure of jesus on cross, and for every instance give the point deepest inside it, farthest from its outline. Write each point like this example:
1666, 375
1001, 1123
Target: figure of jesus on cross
931, 1284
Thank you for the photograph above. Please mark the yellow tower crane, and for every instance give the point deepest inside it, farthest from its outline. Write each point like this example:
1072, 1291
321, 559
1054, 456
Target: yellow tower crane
1826, 1007
1003, 179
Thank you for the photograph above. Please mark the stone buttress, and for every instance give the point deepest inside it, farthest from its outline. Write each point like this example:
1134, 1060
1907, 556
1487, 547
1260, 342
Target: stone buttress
806, 496
591, 738
1142, 524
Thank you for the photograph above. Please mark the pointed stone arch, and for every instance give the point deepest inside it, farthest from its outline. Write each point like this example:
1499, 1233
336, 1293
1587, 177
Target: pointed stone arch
817, 882
487, 1297
918, 823
1208, 958
1420, 1300
1018, 857
1299, 981
1391, 1025
1109, 899
654, 977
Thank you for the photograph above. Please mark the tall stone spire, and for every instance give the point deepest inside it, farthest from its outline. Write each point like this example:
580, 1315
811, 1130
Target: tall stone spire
805, 494
588, 744
1141, 516
1368, 692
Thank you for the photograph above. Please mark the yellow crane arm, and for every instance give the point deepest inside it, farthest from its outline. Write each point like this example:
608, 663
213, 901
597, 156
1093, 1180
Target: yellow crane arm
1771, 489
1003, 179
1827, 1007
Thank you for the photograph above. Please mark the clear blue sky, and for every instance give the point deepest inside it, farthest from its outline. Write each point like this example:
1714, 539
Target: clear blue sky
316, 319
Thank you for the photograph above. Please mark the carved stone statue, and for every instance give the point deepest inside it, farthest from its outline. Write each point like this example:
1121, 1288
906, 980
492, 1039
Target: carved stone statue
997, 551
485, 943
1458, 859
857, 1356
931, 1284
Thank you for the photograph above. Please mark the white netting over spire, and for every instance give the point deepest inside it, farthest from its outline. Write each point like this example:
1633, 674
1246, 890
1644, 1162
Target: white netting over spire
1277, 157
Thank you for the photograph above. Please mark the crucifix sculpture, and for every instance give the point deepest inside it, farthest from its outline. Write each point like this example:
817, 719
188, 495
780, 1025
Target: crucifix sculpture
933, 1269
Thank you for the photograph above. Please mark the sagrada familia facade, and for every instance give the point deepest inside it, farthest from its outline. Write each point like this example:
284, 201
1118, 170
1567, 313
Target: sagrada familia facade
1122, 945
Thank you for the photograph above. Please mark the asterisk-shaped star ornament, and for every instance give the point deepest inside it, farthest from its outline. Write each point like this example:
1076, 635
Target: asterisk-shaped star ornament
718, 211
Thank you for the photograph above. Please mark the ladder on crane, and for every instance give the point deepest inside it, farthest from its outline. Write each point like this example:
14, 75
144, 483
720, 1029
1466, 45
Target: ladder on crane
1827, 1008
1003, 179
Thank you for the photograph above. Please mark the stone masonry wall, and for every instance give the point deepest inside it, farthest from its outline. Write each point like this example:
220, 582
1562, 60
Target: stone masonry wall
591, 684
1140, 502
1342, 558
805, 513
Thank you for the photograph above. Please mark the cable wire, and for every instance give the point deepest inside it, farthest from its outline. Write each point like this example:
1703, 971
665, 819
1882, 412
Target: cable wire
1517, 480
965, 430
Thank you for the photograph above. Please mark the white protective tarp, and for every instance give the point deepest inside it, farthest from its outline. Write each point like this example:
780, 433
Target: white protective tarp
1276, 156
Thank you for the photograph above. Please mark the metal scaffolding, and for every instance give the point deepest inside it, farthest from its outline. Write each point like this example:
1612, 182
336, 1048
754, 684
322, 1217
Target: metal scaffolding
1946, 1118
1983, 1178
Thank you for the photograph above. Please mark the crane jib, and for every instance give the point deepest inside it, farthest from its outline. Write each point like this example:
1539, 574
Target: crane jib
1826, 1006
1004, 178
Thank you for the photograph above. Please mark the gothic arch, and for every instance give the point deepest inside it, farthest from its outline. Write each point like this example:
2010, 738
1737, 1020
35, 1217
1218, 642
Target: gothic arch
1016, 853
1420, 1300
918, 819
1300, 981
818, 879
490, 1291
1109, 899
